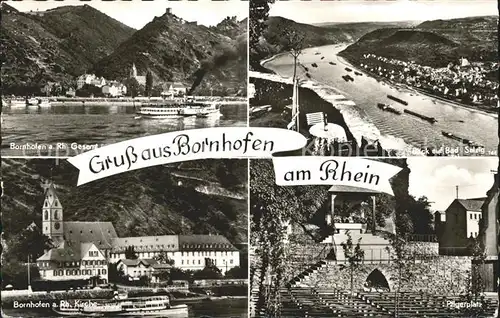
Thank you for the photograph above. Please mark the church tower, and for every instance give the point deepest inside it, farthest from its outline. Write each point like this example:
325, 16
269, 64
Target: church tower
52, 214
133, 71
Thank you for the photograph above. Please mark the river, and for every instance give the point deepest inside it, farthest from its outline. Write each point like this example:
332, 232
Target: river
89, 125
227, 308
399, 131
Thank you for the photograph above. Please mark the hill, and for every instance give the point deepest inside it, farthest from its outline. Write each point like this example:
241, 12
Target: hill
314, 35
206, 196
55, 45
174, 49
433, 43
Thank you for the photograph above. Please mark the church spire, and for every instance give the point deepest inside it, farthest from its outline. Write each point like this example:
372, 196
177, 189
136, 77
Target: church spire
52, 213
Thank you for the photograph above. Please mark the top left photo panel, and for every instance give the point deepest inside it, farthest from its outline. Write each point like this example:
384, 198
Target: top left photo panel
80, 75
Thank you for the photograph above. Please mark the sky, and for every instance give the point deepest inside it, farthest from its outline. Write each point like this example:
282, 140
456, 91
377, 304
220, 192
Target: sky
137, 14
311, 12
437, 178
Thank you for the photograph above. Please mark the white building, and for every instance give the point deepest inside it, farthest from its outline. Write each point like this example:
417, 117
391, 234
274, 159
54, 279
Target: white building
171, 89
84, 249
188, 252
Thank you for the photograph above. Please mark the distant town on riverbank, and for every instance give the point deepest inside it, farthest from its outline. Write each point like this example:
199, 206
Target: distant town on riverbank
415, 86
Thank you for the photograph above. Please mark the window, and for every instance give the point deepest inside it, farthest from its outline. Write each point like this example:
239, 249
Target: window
182, 262
470, 216
187, 262
104, 272
199, 262
46, 215
231, 261
56, 215
475, 216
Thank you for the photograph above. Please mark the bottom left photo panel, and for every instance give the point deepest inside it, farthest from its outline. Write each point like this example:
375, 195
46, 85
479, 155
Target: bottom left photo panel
164, 241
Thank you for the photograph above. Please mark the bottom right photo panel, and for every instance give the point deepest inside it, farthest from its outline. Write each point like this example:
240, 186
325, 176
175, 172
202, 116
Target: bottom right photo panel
428, 249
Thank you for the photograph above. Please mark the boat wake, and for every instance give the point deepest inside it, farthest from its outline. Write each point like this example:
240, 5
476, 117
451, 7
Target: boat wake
359, 126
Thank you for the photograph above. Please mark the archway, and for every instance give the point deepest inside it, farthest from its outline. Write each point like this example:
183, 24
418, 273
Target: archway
377, 281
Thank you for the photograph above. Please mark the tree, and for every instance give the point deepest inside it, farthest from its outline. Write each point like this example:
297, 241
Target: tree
421, 216
290, 39
149, 83
354, 255
30, 242
133, 87
163, 258
115, 274
130, 253
271, 207
402, 263
209, 272
236, 273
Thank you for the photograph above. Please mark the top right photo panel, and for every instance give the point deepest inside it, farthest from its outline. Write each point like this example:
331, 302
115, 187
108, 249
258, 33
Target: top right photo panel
377, 78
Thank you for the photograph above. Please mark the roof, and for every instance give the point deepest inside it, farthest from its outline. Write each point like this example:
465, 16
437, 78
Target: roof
351, 189
99, 233
51, 195
147, 243
472, 204
198, 242
138, 261
64, 253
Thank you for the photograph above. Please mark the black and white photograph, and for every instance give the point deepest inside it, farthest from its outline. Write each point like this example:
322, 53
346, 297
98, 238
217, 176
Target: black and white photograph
429, 249
166, 241
79, 75
378, 78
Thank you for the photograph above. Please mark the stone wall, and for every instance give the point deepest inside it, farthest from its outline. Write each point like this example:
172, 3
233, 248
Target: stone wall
424, 248
444, 275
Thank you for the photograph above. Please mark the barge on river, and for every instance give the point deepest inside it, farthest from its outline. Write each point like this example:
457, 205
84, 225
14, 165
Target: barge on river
388, 108
398, 100
348, 78
432, 120
462, 140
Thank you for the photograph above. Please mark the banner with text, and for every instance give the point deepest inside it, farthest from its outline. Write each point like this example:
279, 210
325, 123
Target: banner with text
346, 171
204, 143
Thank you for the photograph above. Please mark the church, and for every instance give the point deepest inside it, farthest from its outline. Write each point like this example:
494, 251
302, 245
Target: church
84, 249
141, 79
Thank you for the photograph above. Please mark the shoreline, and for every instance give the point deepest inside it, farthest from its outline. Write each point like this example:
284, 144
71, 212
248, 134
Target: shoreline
397, 85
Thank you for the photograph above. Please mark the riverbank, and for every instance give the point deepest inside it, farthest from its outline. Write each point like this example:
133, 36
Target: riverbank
344, 60
138, 101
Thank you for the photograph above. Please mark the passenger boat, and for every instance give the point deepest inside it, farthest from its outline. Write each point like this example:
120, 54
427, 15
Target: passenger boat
155, 306
332, 63
358, 73
18, 102
176, 109
308, 75
348, 69
397, 100
195, 109
388, 108
322, 57
314, 65
432, 120
158, 111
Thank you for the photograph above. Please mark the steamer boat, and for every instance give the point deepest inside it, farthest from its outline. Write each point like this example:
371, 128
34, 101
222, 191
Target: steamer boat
177, 110
154, 306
